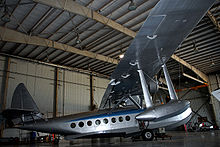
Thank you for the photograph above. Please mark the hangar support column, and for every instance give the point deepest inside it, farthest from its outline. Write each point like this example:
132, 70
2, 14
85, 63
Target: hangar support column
214, 83
4, 89
92, 105
56, 84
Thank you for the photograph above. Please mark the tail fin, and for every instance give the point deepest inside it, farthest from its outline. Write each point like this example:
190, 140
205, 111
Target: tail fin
23, 108
22, 99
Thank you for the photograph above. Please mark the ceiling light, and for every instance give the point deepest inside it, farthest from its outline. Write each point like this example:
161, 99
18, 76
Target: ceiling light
132, 6
212, 62
121, 56
78, 41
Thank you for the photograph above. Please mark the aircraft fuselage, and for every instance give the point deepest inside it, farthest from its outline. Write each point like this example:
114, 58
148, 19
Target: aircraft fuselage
121, 121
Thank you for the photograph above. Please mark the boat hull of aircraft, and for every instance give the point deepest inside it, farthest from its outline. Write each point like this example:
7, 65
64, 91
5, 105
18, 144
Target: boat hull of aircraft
120, 122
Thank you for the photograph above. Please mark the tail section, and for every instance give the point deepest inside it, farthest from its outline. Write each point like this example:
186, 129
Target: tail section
23, 108
22, 99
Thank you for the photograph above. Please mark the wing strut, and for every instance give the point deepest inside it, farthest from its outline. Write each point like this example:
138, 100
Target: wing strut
147, 96
171, 89
135, 102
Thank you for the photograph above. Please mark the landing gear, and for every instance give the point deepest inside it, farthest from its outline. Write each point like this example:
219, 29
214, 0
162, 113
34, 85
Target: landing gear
147, 135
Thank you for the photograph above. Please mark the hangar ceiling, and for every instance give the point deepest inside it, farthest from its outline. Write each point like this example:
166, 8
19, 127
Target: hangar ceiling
91, 34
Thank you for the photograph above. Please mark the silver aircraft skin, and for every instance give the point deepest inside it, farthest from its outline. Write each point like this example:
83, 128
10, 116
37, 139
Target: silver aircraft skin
122, 121
166, 26
216, 94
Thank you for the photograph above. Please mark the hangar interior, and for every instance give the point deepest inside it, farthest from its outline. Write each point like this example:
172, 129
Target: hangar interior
64, 51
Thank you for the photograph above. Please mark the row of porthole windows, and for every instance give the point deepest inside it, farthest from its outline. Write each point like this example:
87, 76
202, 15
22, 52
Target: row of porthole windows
98, 122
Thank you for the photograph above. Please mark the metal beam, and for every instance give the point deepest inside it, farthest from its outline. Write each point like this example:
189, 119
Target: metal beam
74, 7
88, 72
214, 20
5, 92
92, 105
195, 79
56, 88
18, 37
198, 72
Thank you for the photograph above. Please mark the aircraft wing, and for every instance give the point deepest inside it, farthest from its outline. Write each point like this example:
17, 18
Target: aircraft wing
216, 94
167, 25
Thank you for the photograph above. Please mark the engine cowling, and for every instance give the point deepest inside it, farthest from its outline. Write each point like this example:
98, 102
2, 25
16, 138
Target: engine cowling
153, 87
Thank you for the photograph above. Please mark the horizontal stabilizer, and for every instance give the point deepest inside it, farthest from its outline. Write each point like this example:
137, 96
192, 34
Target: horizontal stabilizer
15, 113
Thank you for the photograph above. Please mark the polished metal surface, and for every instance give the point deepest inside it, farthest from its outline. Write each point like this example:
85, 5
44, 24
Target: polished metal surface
173, 114
158, 113
145, 89
169, 83
216, 94
167, 25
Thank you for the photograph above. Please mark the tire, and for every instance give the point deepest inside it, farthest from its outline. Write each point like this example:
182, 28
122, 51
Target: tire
148, 135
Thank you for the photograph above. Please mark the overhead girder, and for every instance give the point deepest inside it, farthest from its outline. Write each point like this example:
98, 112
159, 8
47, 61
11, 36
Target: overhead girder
76, 8
18, 37
214, 20
198, 72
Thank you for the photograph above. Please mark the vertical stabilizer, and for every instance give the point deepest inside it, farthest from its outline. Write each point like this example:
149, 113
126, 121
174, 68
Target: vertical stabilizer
23, 108
22, 99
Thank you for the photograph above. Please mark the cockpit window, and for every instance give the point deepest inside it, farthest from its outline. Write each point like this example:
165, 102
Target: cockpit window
73, 125
97, 122
89, 123
113, 120
105, 120
81, 124
120, 119
127, 118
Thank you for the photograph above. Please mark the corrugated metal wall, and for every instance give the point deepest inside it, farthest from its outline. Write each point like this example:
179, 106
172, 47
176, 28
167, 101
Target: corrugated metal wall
2, 64
214, 83
38, 79
199, 101
73, 88
77, 96
100, 85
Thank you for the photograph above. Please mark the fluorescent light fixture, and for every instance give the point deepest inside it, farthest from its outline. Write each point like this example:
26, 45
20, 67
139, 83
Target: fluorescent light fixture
188, 76
121, 56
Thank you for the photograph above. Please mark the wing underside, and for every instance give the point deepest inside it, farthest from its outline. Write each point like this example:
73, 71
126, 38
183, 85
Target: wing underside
167, 25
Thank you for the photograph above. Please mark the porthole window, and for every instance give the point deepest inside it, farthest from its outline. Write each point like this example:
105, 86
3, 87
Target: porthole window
127, 118
73, 125
97, 122
113, 120
120, 119
89, 123
81, 124
105, 120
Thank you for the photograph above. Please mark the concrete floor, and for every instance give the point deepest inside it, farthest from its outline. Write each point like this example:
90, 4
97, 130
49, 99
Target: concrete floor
179, 139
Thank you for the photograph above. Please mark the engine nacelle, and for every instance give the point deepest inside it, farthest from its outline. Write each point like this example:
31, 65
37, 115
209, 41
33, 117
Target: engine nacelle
153, 87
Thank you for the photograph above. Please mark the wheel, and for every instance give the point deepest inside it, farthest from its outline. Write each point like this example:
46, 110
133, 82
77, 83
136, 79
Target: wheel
148, 135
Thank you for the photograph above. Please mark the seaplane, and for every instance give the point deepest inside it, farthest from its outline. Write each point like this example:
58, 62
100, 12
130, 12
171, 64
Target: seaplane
133, 80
